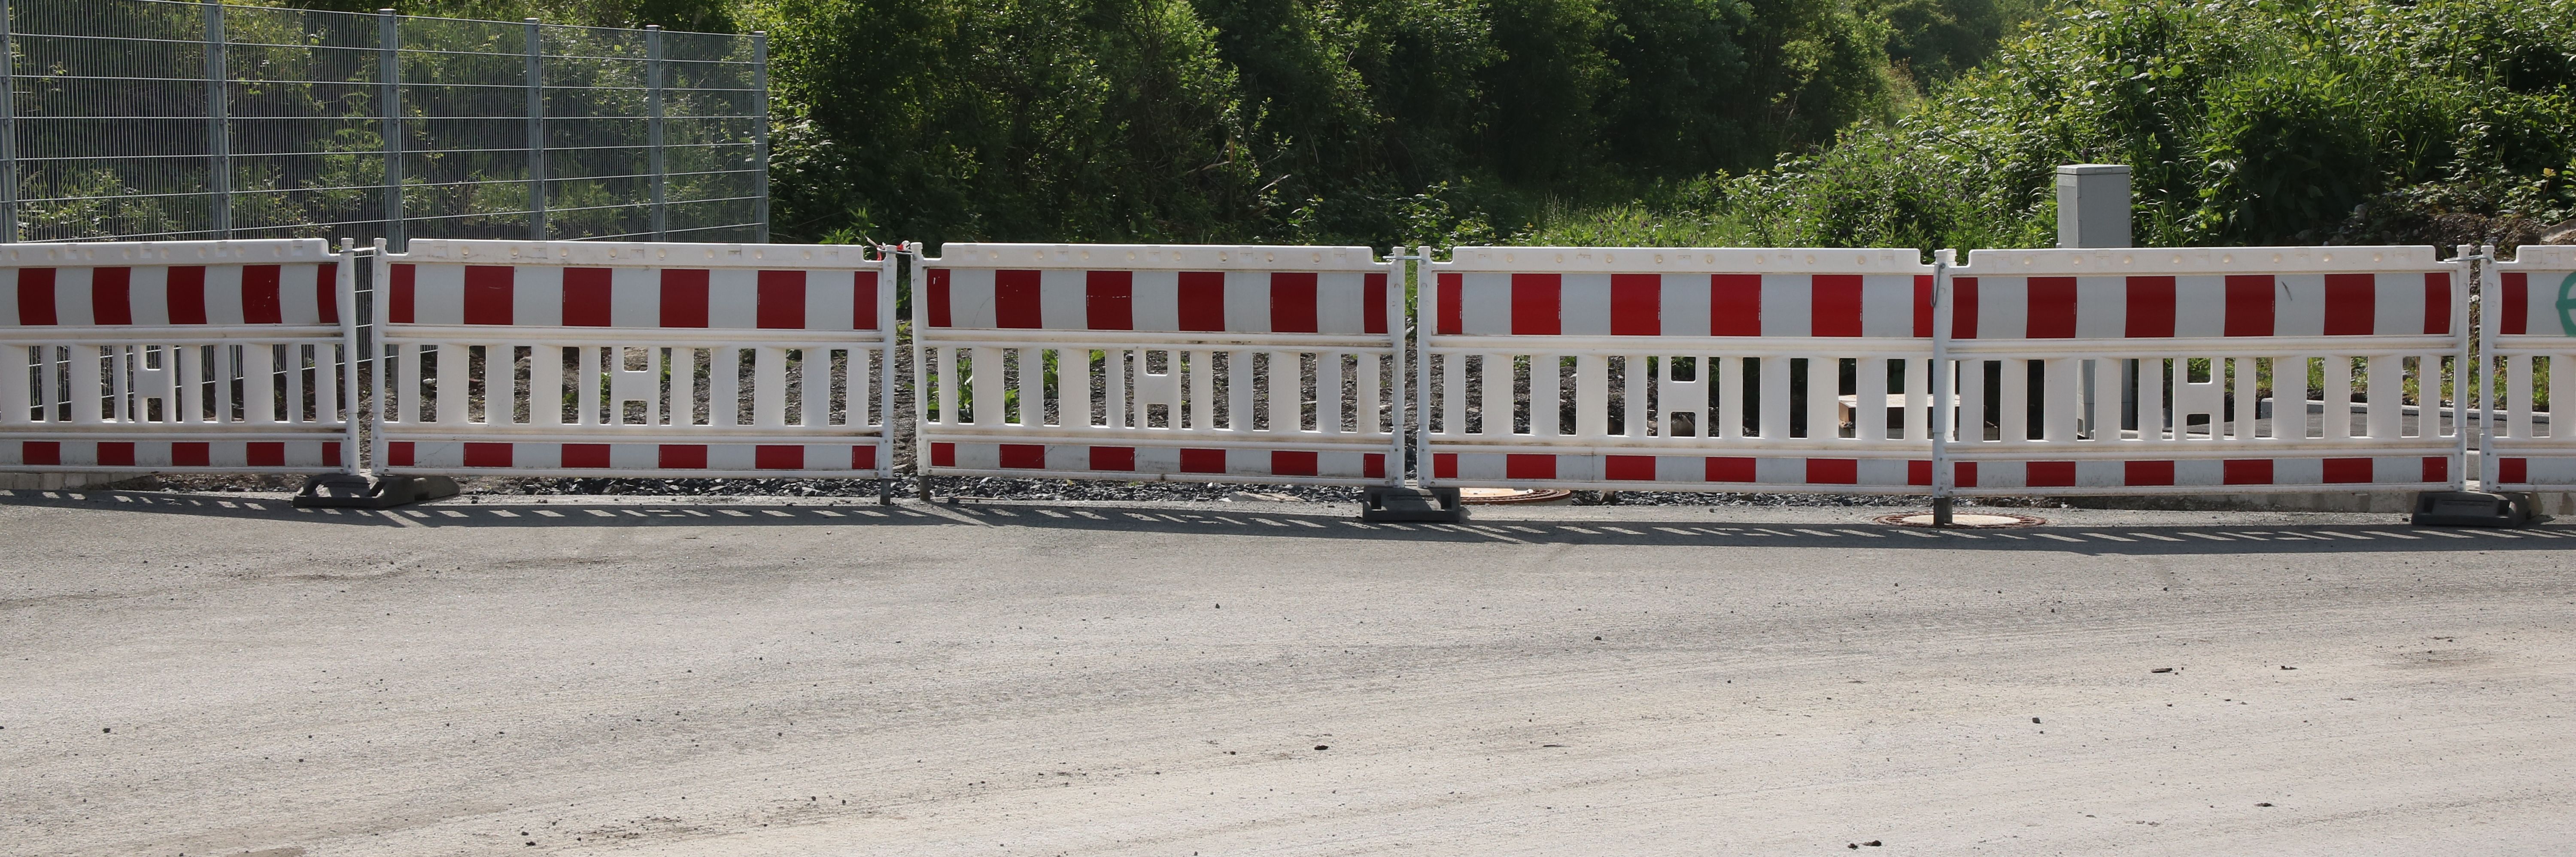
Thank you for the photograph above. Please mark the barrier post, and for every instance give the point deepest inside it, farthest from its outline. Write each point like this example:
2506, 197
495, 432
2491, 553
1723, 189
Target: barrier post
1944, 406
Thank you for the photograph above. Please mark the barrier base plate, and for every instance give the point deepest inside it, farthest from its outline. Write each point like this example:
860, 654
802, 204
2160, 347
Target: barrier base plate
352, 491
2471, 509
1387, 503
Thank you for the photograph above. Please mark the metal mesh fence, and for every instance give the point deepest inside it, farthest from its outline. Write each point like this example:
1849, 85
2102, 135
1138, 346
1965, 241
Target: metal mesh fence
117, 127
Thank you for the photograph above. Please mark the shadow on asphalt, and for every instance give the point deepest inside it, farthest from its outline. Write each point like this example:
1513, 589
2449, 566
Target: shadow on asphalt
1648, 527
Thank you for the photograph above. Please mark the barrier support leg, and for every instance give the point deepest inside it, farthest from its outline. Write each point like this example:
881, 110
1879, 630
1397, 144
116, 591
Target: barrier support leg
885, 492
352, 491
1941, 511
1398, 503
2471, 509
923, 487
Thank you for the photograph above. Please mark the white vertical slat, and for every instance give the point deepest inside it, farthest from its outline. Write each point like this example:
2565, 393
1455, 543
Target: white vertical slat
1202, 390
2065, 401
1726, 379
2246, 399
87, 389
451, 384
2517, 396
2013, 415
2338, 398
1869, 399
1824, 397
1328, 393
188, 367
1453, 394
2386, 396
118, 386
769, 389
1972, 400
545, 385
1286, 389
15, 404
326, 383
2562, 386
1636, 383
946, 413
1591, 397
1501, 405
1369, 418
1775, 398
1918, 399
1547, 395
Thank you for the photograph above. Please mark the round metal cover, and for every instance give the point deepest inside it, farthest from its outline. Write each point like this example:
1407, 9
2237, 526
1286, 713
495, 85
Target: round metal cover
1964, 520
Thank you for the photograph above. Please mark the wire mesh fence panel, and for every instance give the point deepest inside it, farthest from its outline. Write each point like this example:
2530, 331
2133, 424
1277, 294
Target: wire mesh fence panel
162, 120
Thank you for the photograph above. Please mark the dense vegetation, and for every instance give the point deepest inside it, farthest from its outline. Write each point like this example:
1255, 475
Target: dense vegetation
1883, 122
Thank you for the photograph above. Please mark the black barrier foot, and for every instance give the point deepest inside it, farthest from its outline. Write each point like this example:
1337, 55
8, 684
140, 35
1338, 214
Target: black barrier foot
2471, 509
1941, 511
885, 492
351, 491
1388, 503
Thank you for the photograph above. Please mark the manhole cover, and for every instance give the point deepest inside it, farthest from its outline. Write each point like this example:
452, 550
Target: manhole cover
1494, 496
1964, 521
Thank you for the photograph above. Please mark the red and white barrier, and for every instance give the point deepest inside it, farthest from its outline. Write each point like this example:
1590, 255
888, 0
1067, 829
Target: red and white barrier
2529, 323
595, 359
2152, 371
1191, 363
1681, 369
176, 356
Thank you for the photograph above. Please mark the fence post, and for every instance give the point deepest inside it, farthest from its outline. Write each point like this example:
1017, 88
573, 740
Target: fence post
759, 135
8, 126
389, 98
219, 159
1944, 407
653, 128
536, 133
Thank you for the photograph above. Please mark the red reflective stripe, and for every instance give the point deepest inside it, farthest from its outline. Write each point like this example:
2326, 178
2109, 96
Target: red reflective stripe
2148, 473
1628, 468
264, 454
2246, 472
116, 454
2517, 303
593, 456
1836, 305
1202, 461
1636, 305
1285, 463
331, 454
45, 453
187, 294
1963, 316
863, 458
200, 454
684, 300
1529, 466
487, 455
683, 456
1121, 458
326, 301
2437, 469
2151, 307
1923, 328
488, 296
1963, 474
1729, 470
2351, 304
1453, 306
36, 297
2515, 471
1444, 465
2052, 308
1024, 456
2347, 471
780, 456
259, 295
1373, 465
943, 455
1373, 303
111, 297
863, 302
2249, 305
1202, 297
1292, 303
1016, 301
2437, 303
586, 294
2049, 474
1109, 303
1735, 305
1537, 305
939, 316
780, 304
1918, 472
1833, 471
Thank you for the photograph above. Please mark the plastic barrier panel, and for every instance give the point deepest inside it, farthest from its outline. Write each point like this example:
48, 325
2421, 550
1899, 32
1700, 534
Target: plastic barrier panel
1678, 369
598, 359
2206, 370
2529, 323
175, 356
1190, 363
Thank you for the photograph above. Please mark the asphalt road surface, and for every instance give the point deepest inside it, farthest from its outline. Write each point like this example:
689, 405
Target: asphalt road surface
217, 674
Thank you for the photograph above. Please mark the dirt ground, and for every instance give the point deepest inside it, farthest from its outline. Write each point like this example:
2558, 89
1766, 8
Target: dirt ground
219, 675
